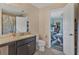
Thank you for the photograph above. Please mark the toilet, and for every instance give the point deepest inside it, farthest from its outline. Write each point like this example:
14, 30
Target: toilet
40, 44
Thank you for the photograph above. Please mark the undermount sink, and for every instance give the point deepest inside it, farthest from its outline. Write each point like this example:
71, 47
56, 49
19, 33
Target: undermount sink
22, 34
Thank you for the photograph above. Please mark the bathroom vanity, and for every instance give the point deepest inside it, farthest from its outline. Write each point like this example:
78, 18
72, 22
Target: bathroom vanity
18, 44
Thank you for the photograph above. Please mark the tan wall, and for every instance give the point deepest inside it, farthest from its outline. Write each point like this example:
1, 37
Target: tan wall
33, 21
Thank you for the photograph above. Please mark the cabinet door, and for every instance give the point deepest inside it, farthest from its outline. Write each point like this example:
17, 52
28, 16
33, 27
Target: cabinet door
4, 50
31, 47
12, 48
22, 50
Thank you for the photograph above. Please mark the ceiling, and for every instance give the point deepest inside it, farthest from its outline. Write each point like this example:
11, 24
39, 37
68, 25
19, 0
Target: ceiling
40, 5
6, 8
12, 8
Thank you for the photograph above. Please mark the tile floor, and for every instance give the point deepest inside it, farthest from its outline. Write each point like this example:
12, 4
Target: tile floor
49, 51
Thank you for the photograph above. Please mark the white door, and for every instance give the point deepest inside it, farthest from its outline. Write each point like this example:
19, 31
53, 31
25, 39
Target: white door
21, 24
0, 22
68, 29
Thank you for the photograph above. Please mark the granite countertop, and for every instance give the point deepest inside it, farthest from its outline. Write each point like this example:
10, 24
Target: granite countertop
14, 37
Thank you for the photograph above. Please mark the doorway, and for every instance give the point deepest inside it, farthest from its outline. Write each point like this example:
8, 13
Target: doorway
56, 29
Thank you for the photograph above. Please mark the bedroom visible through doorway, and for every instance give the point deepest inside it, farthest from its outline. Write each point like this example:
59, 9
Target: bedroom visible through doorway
56, 29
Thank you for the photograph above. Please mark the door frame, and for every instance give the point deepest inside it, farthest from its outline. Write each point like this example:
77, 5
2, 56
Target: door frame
49, 43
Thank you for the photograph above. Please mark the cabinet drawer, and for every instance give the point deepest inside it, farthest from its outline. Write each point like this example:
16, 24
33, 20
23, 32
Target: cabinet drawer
25, 41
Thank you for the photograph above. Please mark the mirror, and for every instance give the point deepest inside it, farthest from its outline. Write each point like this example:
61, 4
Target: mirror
14, 24
8, 24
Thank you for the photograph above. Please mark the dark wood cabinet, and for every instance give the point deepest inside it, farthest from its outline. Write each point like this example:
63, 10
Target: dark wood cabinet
26, 46
31, 48
12, 48
23, 47
22, 50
